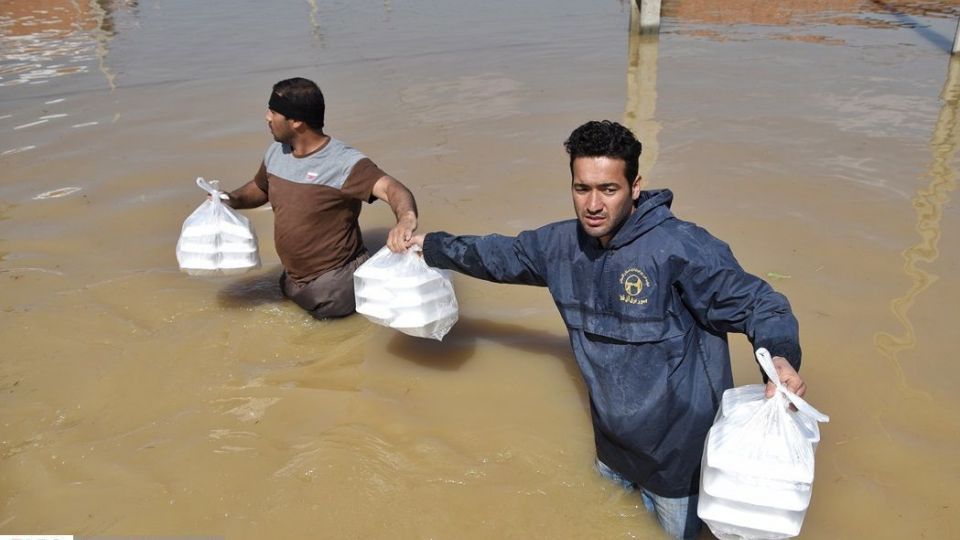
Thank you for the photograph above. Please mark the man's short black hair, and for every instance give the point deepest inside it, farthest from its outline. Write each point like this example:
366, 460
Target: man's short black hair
304, 95
605, 139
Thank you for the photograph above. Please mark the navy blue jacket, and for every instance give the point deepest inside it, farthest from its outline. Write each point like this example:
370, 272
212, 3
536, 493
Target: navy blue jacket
647, 318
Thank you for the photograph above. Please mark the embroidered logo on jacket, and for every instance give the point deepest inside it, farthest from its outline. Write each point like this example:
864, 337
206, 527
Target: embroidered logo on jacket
635, 282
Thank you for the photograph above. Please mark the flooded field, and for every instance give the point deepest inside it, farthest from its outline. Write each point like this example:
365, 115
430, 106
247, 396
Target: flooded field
818, 139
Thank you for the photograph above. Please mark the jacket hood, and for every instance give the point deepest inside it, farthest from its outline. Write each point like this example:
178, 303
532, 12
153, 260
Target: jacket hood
651, 209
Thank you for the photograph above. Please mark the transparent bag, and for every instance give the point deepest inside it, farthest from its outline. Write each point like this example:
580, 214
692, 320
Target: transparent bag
215, 239
758, 462
400, 291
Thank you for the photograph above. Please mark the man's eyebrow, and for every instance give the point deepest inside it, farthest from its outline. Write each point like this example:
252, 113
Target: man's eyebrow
601, 185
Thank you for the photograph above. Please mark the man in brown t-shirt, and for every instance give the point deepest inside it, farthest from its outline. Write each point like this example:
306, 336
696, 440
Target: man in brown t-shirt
316, 185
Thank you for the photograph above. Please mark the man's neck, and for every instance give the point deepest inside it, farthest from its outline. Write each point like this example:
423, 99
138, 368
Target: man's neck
307, 143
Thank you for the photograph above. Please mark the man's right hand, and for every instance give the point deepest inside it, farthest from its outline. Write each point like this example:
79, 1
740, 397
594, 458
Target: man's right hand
224, 196
400, 236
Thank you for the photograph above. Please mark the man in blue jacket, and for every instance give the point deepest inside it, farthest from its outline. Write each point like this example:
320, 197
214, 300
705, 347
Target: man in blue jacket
647, 300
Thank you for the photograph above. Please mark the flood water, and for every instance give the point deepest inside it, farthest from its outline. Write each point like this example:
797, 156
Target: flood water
817, 138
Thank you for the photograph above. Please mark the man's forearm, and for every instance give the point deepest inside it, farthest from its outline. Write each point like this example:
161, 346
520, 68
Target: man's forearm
247, 196
401, 201
404, 206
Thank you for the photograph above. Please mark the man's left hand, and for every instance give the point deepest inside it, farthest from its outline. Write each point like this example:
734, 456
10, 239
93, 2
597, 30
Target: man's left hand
788, 377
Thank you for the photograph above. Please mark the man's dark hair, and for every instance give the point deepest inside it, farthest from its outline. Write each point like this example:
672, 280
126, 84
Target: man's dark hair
605, 139
305, 96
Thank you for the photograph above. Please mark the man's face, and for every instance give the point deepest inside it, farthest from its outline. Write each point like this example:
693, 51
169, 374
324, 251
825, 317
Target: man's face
602, 196
280, 127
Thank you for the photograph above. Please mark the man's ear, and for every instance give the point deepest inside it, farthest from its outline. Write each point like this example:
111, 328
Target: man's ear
636, 188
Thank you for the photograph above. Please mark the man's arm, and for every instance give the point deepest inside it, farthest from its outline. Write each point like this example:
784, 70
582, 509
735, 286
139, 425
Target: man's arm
250, 195
404, 206
723, 297
501, 259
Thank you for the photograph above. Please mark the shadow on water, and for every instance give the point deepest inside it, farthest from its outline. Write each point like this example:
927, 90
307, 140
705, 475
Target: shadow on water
928, 204
264, 288
449, 355
253, 290
460, 345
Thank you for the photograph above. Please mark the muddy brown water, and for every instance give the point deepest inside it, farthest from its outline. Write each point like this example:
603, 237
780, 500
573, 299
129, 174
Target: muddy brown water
818, 138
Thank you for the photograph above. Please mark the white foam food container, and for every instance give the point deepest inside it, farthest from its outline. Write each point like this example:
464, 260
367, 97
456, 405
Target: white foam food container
400, 291
215, 239
733, 519
753, 488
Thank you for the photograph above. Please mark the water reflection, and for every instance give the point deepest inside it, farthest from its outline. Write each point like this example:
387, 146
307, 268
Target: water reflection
314, 22
908, 20
764, 12
4, 208
928, 204
800, 16
50, 39
104, 32
641, 104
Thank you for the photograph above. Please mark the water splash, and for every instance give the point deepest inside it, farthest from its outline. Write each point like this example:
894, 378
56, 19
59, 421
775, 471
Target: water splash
56, 193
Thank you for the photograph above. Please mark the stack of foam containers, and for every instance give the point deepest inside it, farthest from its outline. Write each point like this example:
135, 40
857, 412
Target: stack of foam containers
400, 291
216, 240
222, 248
757, 469
740, 499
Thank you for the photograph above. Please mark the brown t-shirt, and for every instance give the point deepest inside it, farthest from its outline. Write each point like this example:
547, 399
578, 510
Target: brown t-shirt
316, 201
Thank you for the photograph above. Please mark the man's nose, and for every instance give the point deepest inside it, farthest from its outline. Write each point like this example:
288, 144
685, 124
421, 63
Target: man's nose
594, 204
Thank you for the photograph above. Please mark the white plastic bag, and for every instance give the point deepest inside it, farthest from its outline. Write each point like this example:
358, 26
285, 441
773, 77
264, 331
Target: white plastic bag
745, 400
215, 239
400, 291
758, 462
